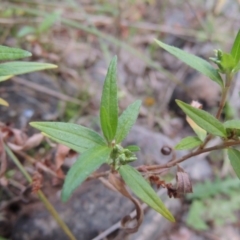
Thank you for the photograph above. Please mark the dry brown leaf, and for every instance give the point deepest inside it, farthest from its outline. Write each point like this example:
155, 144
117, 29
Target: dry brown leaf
36, 182
183, 182
128, 223
3, 181
29, 143
61, 154
33, 141
3, 158
19, 137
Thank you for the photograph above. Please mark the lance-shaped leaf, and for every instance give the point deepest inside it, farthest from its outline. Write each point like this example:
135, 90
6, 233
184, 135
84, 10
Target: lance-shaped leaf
235, 52
143, 190
15, 68
234, 157
203, 119
7, 53
193, 61
126, 121
109, 102
188, 143
87, 163
76, 137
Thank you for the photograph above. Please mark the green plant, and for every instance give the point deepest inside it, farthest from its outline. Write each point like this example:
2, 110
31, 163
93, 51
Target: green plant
9, 69
45, 25
96, 150
208, 198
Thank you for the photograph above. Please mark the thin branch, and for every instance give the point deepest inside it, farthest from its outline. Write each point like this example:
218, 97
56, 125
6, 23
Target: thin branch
189, 155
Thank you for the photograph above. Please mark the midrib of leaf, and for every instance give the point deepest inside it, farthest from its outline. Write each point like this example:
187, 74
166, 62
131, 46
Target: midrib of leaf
109, 102
209, 124
93, 156
148, 189
203, 123
120, 135
58, 140
73, 133
204, 62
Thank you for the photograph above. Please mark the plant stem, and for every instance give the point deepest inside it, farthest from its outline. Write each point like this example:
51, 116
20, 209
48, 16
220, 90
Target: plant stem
191, 154
224, 95
41, 195
221, 105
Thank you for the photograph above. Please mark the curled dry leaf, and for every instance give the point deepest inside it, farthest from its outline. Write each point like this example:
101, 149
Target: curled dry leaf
29, 143
17, 140
19, 137
128, 223
182, 187
183, 182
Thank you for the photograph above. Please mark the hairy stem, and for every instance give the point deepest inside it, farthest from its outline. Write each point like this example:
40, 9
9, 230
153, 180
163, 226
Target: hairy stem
41, 195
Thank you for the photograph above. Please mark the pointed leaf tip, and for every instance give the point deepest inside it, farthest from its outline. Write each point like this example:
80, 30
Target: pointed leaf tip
144, 191
109, 102
193, 61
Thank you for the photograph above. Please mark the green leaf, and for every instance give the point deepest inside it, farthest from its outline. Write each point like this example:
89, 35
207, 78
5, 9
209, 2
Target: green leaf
188, 143
72, 135
109, 103
193, 61
126, 121
143, 190
133, 148
232, 124
237, 68
227, 62
88, 162
4, 78
48, 22
209, 189
15, 68
25, 31
7, 53
235, 52
203, 119
201, 133
195, 216
234, 157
